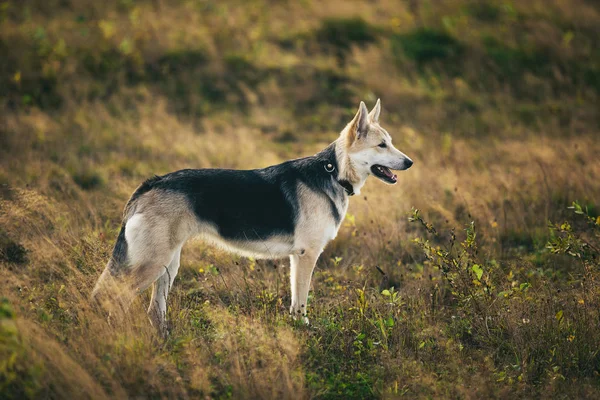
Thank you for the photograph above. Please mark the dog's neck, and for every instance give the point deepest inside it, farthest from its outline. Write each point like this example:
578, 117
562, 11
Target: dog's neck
347, 171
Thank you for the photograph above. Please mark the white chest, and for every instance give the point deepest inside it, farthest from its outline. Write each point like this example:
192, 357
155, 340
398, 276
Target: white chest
319, 219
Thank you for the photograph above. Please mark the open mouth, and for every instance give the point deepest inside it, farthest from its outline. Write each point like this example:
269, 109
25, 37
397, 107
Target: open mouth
384, 173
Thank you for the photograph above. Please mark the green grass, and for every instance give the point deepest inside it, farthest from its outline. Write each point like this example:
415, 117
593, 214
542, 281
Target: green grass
341, 34
425, 45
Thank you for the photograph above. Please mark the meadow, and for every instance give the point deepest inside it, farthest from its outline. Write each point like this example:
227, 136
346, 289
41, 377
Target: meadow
476, 276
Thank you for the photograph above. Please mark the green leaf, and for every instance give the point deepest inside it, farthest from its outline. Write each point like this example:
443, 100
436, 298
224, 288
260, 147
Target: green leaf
476, 268
559, 316
6, 310
386, 293
524, 286
577, 207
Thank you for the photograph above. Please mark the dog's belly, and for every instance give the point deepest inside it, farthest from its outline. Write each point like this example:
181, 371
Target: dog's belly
279, 246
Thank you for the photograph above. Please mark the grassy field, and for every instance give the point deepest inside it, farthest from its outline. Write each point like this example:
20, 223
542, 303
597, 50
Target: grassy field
476, 276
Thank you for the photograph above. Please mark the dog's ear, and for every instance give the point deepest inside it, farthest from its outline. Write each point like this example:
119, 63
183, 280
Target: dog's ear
374, 114
359, 126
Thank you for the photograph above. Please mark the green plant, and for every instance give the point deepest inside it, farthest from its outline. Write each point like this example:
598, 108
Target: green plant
470, 279
578, 242
341, 33
492, 311
20, 375
425, 46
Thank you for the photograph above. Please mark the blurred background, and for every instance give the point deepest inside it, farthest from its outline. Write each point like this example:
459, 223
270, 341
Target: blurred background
496, 102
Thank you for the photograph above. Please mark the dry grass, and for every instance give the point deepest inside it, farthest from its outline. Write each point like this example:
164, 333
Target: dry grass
499, 112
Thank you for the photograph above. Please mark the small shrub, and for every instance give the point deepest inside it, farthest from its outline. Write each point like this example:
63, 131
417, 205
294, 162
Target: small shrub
591, 77
340, 34
27, 74
20, 377
88, 180
175, 63
11, 251
484, 11
513, 62
241, 69
426, 45
536, 333
581, 241
343, 33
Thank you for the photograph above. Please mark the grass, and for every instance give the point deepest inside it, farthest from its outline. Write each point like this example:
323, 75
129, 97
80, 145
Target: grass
427, 45
490, 290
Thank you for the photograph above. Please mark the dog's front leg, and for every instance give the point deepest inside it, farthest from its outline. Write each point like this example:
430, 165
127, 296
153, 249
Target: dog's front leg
301, 269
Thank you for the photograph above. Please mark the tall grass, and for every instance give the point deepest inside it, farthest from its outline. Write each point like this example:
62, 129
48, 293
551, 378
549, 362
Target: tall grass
491, 291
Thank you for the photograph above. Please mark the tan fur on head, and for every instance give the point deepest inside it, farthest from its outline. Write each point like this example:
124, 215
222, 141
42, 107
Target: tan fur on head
374, 114
358, 126
364, 143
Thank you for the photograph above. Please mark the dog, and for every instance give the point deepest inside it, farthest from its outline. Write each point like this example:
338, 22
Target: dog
288, 210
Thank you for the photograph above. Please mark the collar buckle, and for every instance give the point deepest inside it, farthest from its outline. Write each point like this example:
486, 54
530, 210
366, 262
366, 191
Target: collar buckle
329, 167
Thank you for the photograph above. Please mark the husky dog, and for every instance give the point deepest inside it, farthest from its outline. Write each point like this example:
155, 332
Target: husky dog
288, 210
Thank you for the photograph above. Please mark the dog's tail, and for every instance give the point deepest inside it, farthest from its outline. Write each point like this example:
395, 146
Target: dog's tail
118, 261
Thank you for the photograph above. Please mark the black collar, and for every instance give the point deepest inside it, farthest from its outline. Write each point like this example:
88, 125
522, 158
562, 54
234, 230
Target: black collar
347, 187
330, 167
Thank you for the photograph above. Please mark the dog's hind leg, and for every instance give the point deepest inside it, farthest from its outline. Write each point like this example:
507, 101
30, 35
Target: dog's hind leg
157, 311
152, 241
117, 288
301, 269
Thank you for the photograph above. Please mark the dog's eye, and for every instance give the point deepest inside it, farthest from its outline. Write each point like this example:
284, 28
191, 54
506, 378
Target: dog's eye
383, 145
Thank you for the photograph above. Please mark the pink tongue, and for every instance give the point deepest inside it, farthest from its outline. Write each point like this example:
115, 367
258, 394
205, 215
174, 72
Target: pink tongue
388, 173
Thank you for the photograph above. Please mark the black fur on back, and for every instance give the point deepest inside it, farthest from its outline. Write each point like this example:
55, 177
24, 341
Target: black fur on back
251, 204
145, 187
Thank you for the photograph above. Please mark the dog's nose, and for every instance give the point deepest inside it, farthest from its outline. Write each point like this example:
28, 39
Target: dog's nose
408, 163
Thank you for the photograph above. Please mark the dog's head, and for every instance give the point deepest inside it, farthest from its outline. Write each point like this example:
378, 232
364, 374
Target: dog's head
369, 147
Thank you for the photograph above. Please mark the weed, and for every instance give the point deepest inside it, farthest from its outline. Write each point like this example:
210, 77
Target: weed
425, 46
11, 251
484, 10
341, 34
20, 376
88, 180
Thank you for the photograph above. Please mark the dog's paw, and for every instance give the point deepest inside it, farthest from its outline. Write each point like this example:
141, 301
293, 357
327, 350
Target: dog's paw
297, 316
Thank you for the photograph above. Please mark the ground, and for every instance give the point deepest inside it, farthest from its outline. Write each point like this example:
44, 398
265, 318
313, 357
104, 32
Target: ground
476, 276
